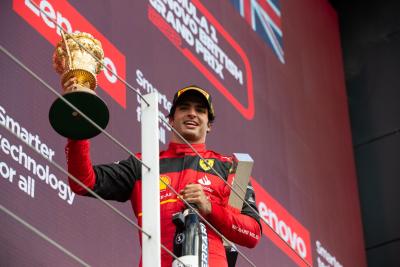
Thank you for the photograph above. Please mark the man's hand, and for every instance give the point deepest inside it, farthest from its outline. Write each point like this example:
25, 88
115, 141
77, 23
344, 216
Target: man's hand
72, 85
193, 193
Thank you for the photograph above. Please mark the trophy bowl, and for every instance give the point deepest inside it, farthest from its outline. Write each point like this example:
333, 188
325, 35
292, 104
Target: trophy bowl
72, 59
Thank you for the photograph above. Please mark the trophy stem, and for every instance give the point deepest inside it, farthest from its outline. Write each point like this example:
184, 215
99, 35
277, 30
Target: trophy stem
83, 77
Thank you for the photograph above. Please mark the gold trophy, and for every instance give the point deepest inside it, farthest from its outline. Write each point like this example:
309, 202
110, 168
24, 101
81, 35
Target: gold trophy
70, 59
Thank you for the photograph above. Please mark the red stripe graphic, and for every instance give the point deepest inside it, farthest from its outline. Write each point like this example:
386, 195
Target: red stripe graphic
69, 18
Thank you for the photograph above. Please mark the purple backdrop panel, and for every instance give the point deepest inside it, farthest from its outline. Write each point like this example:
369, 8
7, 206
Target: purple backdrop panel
275, 72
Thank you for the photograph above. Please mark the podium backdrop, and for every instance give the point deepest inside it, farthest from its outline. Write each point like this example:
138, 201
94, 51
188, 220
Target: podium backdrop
274, 69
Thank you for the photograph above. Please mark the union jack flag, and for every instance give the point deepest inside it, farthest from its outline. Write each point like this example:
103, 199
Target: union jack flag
264, 16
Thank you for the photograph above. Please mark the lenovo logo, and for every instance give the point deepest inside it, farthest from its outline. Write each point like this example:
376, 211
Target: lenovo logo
284, 230
71, 20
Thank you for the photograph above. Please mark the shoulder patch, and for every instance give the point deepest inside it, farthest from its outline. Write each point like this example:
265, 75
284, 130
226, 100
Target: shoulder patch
164, 181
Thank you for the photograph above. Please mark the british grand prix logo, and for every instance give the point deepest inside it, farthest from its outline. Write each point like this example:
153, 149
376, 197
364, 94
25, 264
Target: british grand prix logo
202, 39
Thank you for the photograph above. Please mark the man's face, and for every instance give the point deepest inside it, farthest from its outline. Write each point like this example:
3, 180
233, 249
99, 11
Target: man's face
191, 119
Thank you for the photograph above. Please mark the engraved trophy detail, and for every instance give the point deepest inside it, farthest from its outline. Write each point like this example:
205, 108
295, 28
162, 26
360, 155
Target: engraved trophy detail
72, 59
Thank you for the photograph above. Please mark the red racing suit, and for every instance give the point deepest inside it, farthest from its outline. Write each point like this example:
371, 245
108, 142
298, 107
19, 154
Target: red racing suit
179, 166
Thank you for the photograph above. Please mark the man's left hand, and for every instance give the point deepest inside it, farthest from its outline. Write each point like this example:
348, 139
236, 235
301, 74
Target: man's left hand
193, 193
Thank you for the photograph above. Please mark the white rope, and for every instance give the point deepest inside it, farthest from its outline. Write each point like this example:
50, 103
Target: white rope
5, 51
78, 181
69, 174
165, 121
94, 194
97, 126
209, 224
235, 192
42, 235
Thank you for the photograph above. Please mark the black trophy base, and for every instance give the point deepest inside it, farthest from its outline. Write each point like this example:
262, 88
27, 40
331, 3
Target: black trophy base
68, 123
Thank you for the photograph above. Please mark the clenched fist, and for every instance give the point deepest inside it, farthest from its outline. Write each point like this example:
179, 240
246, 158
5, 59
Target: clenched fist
194, 194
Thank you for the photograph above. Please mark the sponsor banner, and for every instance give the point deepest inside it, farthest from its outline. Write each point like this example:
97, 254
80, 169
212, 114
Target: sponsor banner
186, 41
285, 231
71, 20
325, 258
20, 166
202, 39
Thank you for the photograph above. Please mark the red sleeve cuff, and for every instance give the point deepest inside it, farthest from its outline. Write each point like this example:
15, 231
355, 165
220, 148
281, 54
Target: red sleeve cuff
79, 165
238, 228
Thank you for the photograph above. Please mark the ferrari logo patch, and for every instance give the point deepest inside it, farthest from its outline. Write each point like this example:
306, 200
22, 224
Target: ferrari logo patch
206, 166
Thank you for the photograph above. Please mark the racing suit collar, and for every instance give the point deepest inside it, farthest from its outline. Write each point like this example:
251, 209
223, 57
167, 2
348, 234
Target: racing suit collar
185, 149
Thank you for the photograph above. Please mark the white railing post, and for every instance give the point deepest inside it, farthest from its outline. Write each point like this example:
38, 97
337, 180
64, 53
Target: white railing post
151, 248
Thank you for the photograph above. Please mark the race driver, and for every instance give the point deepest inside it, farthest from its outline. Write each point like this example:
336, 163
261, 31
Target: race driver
192, 114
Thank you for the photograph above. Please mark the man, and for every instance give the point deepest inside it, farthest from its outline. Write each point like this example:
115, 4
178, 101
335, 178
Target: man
192, 114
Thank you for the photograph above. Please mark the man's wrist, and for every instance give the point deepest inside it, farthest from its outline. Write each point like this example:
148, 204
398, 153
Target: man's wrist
208, 208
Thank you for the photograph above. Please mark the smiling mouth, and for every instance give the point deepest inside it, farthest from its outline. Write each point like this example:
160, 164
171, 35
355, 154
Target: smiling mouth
191, 123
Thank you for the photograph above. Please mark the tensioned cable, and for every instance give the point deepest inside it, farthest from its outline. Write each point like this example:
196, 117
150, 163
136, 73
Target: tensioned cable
126, 83
209, 224
141, 96
69, 104
69, 174
194, 150
233, 190
206, 162
118, 143
91, 192
42, 235
80, 183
